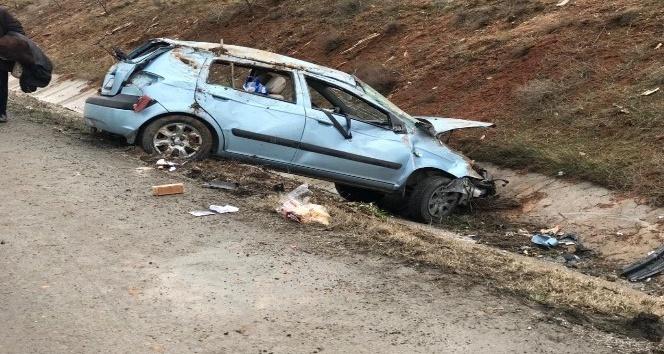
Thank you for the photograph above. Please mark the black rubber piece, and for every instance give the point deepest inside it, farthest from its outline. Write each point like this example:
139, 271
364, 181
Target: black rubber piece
124, 102
647, 267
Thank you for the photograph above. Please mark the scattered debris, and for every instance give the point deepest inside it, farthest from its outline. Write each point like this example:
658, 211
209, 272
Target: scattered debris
199, 213
224, 209
162, 163
231, 186
168, 189
279, 187
370, 37
215, 210
523, 232
143, 170
552, 231
650, 92
659, 45
120, 28
553, 237
571, 260
622, 109
296, 206
653, 264
544, 240
562, 3
561, 173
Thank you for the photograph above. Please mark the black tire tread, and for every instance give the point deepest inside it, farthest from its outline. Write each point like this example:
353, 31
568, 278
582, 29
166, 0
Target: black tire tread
419, 199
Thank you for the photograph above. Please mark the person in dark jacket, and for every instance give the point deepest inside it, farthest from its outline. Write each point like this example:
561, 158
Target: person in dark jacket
8, 23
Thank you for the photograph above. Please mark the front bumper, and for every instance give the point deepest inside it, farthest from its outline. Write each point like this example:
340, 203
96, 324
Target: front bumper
470, 188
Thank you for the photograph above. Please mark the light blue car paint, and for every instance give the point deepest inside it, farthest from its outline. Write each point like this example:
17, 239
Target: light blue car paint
294, 136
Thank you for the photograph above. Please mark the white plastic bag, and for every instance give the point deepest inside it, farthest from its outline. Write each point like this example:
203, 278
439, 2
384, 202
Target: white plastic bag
296, 206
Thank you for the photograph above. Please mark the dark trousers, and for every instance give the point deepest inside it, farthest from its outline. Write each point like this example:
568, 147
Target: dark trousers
4, 91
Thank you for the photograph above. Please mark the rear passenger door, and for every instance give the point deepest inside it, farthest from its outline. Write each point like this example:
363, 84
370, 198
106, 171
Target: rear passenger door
255, 125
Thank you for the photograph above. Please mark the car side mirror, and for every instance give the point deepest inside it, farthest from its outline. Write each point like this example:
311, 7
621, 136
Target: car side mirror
345, 132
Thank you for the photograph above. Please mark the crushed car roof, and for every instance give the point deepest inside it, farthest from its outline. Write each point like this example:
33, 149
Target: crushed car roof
267, 58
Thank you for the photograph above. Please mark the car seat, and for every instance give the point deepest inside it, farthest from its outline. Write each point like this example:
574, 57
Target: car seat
276, 86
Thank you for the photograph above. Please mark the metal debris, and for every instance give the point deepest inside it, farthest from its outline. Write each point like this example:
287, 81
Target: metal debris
231, 186
653, 264
544, 240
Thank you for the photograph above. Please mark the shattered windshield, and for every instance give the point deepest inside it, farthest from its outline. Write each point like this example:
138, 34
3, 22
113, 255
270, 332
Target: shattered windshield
383, 101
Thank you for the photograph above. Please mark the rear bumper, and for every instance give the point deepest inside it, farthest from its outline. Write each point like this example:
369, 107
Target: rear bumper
114, 114
122, 102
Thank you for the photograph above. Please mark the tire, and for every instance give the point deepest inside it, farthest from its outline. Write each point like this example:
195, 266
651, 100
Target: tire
179, 137
395, 203
429, 203
355, 194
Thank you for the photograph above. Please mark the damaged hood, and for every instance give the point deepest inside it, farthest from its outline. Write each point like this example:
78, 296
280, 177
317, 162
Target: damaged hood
442, 125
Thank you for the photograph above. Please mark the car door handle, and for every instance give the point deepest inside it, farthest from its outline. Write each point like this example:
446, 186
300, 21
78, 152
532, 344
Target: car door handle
220, 98
322, 121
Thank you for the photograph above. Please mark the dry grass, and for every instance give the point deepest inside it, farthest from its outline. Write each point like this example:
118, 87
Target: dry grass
542, 282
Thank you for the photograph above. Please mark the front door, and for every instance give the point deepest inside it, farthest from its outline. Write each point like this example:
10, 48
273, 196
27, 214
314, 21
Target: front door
262, 120
372, 154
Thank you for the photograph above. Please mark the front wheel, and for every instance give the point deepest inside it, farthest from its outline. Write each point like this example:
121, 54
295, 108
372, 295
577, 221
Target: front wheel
179, 137
431, 202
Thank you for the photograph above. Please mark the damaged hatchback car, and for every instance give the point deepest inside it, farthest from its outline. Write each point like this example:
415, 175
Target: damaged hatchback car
189, 99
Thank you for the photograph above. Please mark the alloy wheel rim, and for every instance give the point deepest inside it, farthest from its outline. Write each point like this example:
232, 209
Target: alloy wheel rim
441, 202
177, 140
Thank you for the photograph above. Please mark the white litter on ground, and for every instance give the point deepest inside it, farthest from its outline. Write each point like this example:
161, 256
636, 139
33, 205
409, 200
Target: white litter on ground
199, 213
224, 209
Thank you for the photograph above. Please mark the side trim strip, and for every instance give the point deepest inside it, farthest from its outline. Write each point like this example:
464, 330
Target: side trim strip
314, 148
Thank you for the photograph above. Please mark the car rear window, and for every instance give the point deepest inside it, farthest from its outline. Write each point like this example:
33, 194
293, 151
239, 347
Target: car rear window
147, 48
235, 76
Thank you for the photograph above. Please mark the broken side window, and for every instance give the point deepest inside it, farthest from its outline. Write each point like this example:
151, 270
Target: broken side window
253, 79
333, 98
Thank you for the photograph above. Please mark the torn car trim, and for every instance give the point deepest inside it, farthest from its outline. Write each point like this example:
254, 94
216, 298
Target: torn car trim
441, 125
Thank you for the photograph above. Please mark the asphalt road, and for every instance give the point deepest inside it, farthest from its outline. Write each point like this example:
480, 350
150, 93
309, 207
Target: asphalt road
92, 263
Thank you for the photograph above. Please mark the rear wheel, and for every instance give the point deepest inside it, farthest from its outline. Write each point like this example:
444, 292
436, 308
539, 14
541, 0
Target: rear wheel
180, 137
430, 201
355, 194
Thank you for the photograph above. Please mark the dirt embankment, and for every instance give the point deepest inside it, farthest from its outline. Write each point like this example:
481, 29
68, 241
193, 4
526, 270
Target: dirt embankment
564, 83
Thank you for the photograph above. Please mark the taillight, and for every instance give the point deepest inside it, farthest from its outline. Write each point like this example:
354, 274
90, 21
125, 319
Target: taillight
142, 103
